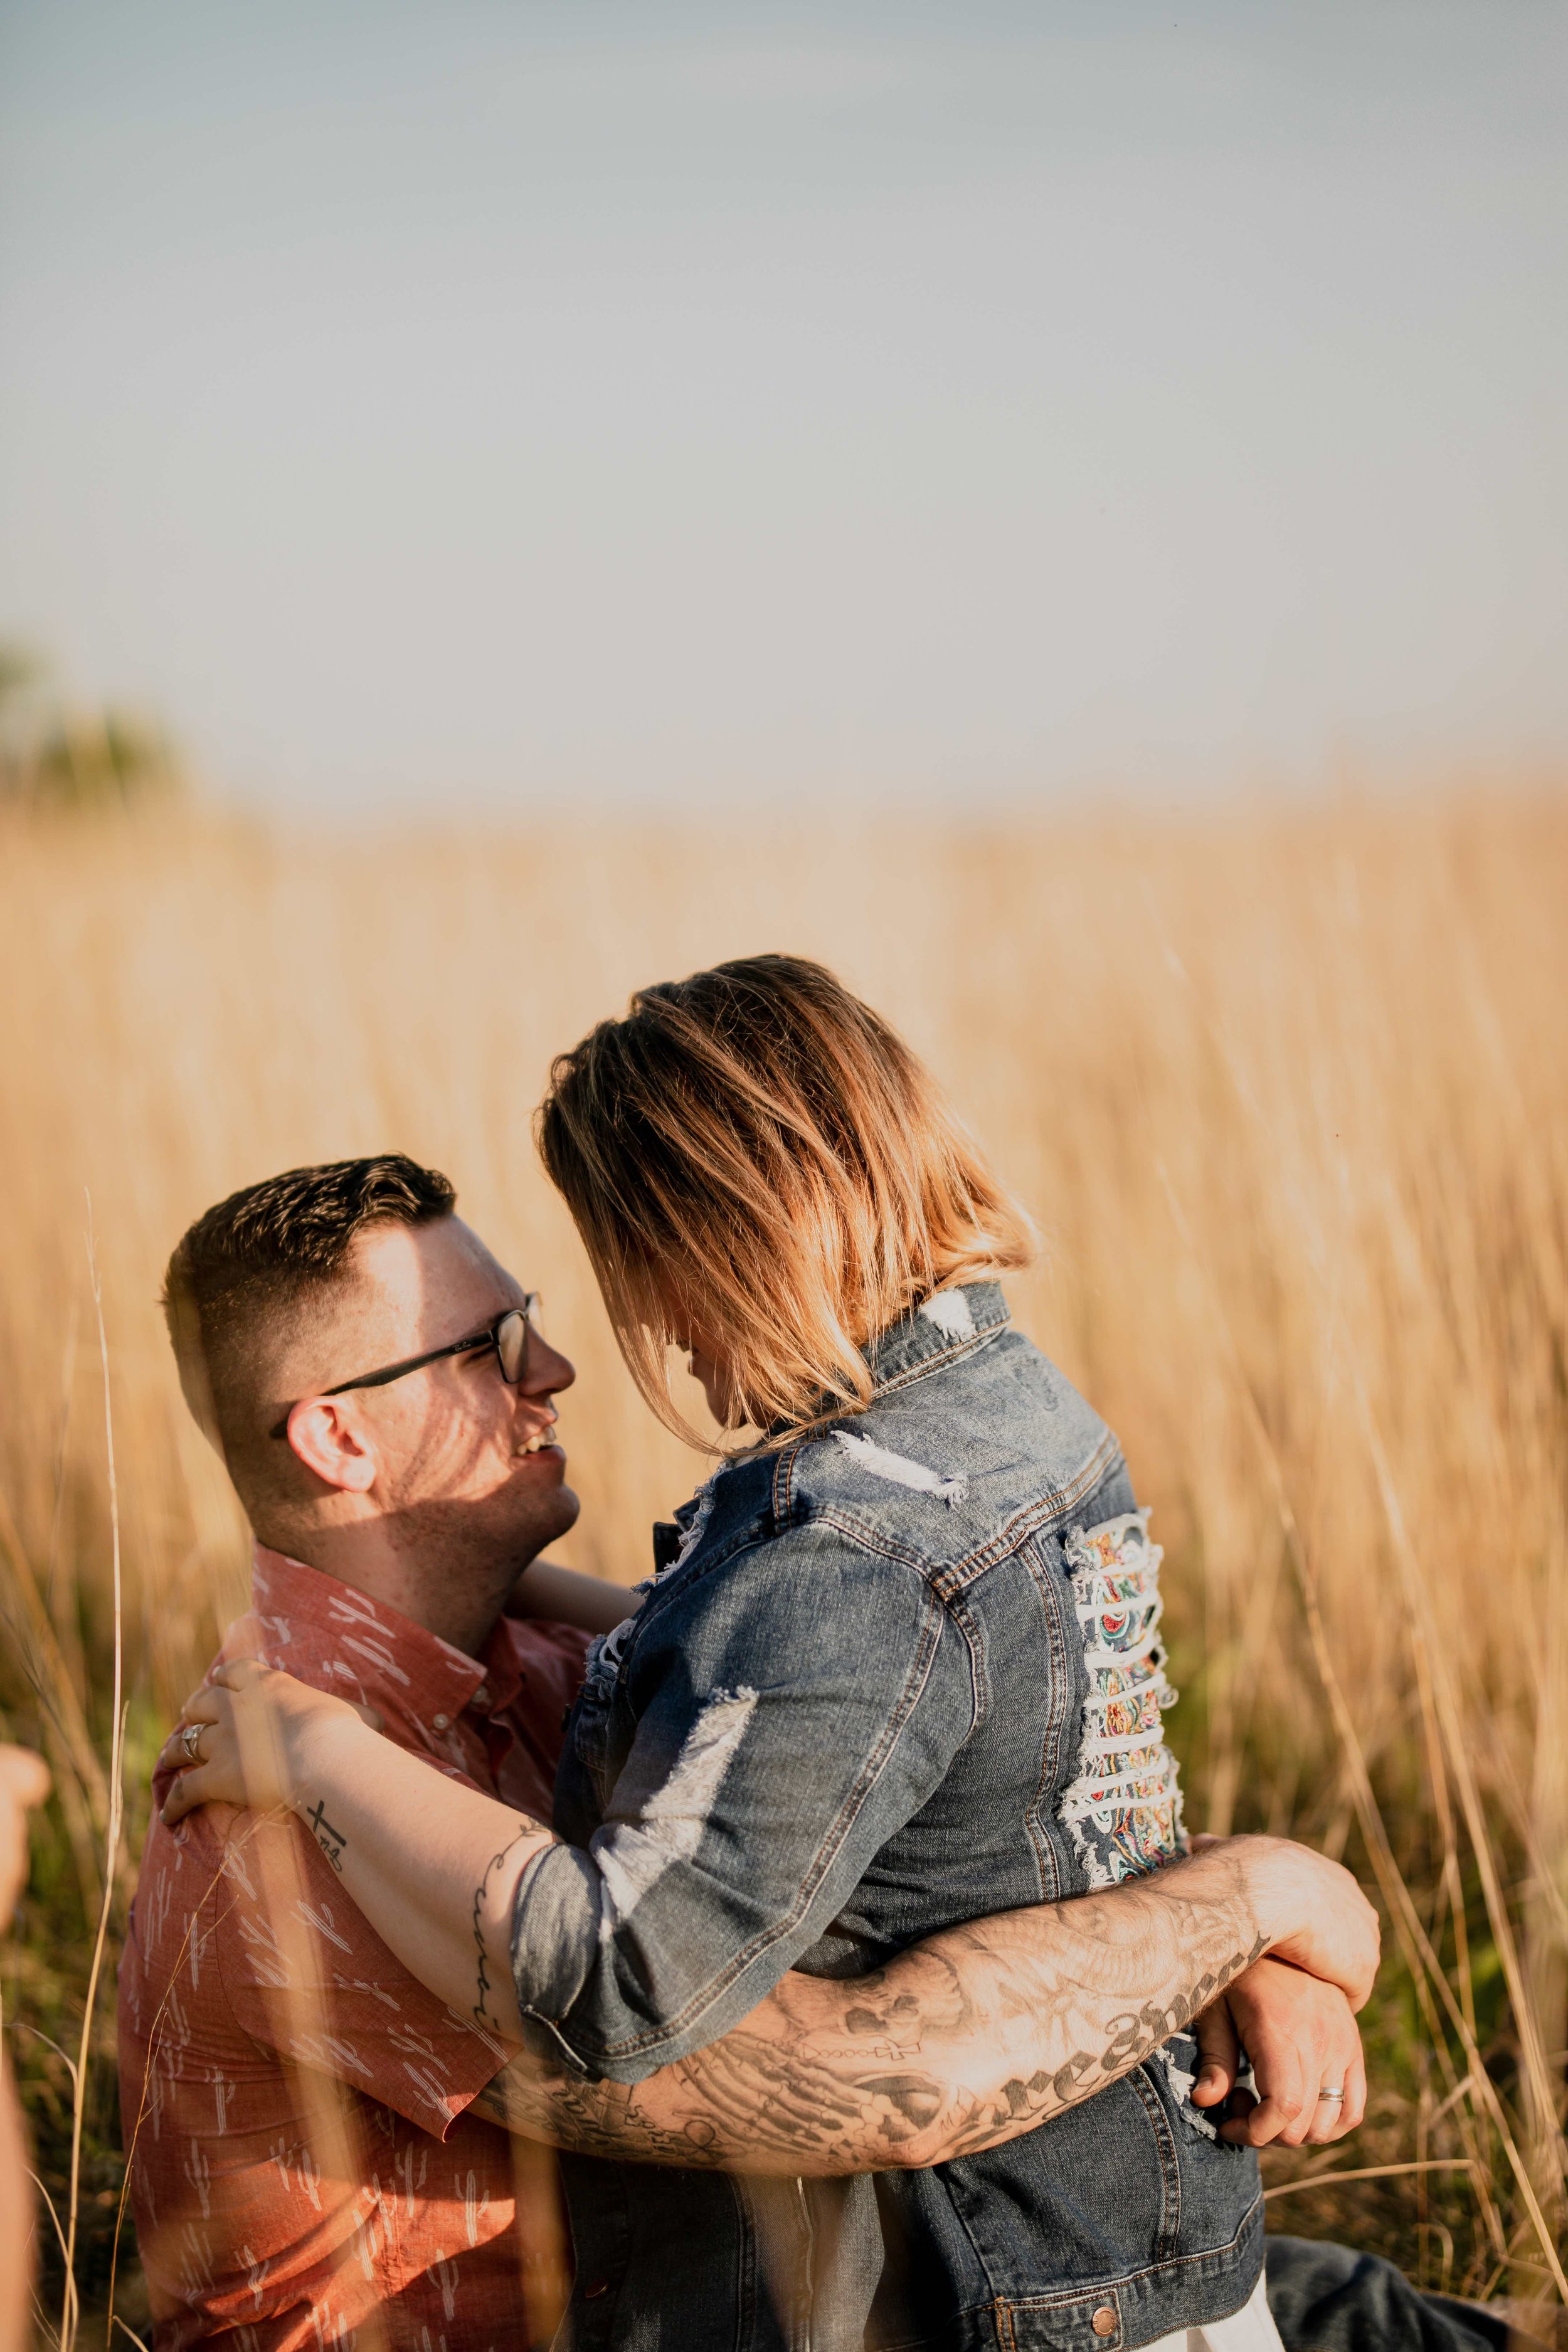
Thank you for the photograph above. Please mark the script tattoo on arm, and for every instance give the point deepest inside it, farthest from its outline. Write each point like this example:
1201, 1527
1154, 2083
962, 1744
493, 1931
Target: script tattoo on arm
959, 2044
482, 2012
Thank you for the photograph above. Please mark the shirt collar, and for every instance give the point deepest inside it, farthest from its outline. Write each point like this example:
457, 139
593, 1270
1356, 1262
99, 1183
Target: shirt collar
340, 1639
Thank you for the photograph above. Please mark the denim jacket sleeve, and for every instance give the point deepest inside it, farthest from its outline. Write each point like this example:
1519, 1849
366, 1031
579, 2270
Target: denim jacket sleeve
794, 1710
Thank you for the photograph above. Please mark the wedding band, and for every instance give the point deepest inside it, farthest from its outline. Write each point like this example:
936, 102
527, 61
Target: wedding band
1330, 2095
191, 1741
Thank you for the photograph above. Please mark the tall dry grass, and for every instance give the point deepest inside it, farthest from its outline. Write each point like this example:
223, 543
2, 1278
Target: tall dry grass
1289, 1096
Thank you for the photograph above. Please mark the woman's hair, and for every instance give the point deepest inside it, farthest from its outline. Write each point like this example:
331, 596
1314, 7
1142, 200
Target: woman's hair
752, 1156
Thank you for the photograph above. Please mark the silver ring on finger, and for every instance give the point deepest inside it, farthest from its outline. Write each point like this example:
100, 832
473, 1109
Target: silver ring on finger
191, 1742
1335, 2095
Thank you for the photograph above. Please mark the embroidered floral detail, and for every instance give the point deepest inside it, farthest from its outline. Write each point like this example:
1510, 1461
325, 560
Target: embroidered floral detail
1123, 1809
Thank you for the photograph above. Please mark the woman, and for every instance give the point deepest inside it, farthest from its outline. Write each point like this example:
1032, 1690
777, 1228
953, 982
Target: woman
898, 1666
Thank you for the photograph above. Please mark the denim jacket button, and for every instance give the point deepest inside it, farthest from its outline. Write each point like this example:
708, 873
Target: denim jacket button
1104, 2320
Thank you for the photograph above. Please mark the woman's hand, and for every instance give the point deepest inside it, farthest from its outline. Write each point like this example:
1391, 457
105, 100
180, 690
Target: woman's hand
254, 1731
1301, 2038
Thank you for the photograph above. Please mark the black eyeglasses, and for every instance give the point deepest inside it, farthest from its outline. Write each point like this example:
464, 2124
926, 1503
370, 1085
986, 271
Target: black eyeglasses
508, 1335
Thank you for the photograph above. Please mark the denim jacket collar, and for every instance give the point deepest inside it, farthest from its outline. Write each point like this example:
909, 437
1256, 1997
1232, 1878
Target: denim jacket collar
950, 1325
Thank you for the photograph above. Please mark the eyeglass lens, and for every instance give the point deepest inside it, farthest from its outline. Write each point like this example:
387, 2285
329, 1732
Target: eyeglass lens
512, 1346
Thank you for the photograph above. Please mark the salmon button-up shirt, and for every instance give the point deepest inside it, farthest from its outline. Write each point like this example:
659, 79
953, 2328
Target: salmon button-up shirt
303, 2171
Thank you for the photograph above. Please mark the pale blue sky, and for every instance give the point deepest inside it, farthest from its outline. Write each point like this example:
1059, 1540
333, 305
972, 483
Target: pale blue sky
437, 401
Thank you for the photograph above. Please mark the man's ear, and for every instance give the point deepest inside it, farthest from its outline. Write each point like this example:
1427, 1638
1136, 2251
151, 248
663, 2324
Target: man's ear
324, 1434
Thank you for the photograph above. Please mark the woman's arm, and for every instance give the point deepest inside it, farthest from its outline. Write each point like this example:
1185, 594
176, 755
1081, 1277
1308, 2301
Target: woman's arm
433, 1866
590, 1602
718, 1819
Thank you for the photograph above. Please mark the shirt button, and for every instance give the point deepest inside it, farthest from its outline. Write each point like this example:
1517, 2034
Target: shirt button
443, 1722
1104, 2321
600, 2286
481, 1697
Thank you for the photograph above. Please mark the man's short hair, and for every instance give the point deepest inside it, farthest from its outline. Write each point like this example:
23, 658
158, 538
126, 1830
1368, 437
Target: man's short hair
269, 1253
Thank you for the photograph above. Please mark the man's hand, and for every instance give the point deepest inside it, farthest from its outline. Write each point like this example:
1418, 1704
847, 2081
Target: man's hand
1311, 1911
1301, 2038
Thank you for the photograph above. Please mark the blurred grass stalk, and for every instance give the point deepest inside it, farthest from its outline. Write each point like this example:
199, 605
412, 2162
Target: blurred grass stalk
1288, 1092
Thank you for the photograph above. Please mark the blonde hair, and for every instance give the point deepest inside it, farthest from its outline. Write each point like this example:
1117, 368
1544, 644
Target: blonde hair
753, 1154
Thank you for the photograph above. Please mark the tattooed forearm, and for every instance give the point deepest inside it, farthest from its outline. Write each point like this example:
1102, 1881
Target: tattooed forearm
1135, 2037
960, 2044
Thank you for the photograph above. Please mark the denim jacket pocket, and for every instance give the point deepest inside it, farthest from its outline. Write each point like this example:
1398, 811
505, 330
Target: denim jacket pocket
1061, 2323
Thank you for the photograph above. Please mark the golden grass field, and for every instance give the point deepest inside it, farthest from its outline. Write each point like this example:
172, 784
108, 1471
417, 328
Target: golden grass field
1288, 1095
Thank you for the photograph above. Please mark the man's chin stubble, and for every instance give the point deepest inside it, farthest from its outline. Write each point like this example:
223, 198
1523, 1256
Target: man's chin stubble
485, 1539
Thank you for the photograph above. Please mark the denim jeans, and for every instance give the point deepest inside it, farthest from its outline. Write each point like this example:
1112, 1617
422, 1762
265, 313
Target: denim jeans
1326, 2298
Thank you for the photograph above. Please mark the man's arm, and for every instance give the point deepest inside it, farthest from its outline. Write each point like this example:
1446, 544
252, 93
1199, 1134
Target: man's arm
962, 2042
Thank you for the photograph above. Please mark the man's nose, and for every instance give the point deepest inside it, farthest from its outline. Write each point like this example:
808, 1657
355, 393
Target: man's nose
548, 1370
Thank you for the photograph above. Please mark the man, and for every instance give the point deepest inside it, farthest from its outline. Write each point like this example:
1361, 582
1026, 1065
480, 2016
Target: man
313, 2139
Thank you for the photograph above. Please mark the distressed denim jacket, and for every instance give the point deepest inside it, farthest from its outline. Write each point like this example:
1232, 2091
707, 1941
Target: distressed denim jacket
900, 1674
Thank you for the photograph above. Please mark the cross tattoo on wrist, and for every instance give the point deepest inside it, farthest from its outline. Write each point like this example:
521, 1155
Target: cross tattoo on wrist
330, 1840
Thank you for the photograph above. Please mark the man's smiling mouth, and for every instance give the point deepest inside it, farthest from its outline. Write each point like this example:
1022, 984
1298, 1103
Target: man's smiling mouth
539, 1441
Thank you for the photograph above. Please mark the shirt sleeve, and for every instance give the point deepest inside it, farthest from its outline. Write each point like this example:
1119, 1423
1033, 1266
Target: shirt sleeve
307, 1977
794, 1712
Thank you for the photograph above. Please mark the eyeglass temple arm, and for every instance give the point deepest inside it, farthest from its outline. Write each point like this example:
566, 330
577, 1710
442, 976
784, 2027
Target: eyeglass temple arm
416, 1364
